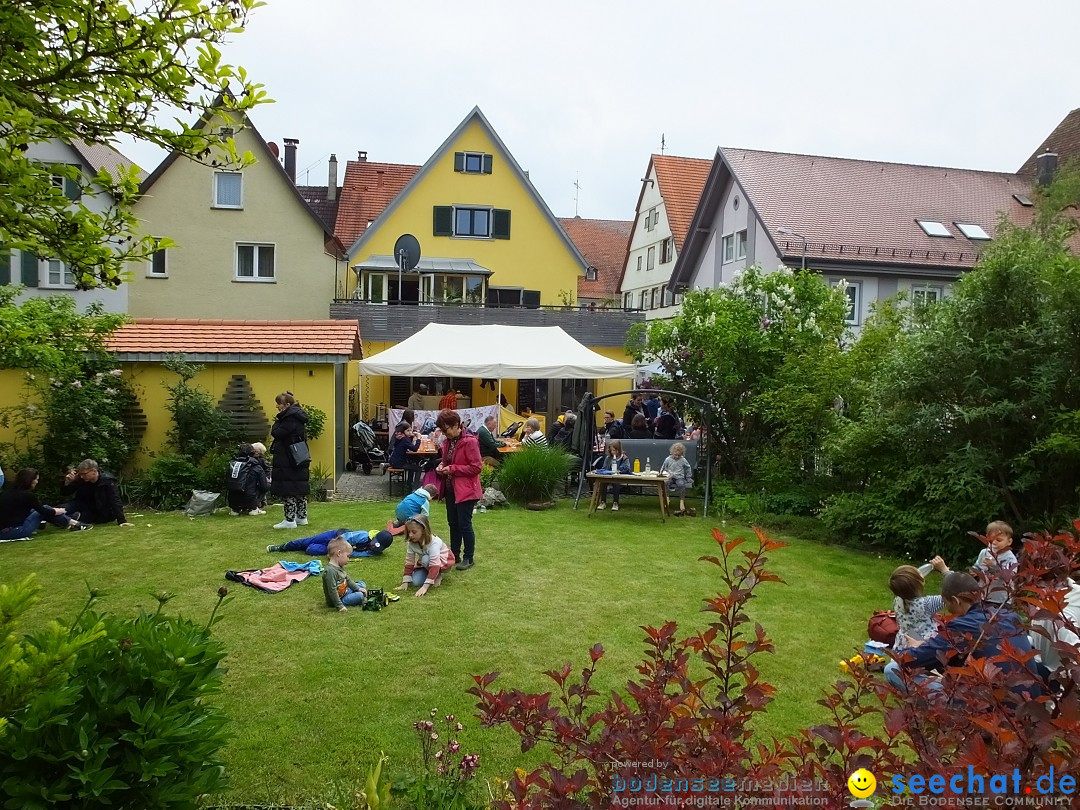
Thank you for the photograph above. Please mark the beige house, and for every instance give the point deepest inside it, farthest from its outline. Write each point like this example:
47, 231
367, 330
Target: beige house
248, 245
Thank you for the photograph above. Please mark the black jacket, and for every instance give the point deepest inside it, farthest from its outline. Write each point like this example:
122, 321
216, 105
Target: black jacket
16, 505
288, 479
629, 413
667, 425
97, 502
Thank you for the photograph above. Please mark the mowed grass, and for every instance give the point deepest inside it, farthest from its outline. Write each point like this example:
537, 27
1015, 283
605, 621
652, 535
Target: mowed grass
314, 695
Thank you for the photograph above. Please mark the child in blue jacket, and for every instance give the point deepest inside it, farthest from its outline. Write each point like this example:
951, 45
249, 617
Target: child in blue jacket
415, 503
365, 544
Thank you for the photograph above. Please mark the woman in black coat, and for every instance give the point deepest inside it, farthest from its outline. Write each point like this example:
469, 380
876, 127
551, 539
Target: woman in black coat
289, 480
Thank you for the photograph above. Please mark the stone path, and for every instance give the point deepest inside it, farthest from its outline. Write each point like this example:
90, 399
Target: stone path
355, 486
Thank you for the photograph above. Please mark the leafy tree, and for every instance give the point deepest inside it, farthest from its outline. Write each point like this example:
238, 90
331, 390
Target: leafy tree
971, 409
93, 70
198, 426
766, 352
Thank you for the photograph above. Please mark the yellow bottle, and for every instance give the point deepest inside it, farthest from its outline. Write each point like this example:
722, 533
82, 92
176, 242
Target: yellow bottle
637, 465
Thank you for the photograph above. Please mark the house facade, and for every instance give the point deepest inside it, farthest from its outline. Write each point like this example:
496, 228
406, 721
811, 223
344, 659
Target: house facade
45, 276
669, 194
491, 253
248, 244
876, 228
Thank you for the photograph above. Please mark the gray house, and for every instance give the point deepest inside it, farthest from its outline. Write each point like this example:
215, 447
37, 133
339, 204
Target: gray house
878, 228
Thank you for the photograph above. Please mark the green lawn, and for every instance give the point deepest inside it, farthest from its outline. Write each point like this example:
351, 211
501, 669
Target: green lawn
315, 695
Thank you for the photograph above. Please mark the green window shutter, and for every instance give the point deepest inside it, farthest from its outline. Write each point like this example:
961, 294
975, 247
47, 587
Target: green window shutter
5, 267
444, 220
500, 224
72, 190
459, 161
29, 269
487, 164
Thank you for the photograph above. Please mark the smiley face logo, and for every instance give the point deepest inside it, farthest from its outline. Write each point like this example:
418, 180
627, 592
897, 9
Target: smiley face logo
862, 783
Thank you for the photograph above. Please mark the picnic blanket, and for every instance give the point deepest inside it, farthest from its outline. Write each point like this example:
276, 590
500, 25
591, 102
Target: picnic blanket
277, 577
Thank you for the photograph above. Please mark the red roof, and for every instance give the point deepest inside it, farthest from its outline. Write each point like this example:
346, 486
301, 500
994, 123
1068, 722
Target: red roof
214, 336
603, 244
368, 188
1065, 140
681, 181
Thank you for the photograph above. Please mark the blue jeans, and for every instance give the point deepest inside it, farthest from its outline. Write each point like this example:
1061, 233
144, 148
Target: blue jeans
892, 675
30, 525
355, 597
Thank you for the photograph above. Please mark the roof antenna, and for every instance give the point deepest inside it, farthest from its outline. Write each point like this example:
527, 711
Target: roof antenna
577, 191
662, 143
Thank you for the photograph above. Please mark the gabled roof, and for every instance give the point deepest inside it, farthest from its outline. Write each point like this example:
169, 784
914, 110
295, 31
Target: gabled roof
1065, 140
504, 154
858, 211
367, 190
100, 156
603, 244
680, 181
332, 244
326, 210
250, 341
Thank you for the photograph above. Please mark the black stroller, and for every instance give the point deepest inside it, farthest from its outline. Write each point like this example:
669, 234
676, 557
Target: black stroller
364, 451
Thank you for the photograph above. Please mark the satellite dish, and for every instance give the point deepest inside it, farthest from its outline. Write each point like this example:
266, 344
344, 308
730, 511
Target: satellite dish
407, 251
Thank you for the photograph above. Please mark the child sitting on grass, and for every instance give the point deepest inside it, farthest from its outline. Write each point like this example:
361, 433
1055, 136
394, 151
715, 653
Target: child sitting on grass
340, 591
415, 503
427, 557
680, 476
914, 612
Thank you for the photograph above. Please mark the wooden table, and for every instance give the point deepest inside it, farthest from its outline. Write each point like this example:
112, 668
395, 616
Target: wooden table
511, 446
659, 482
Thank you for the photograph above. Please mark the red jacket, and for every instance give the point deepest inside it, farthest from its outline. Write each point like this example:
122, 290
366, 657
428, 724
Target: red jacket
464, 466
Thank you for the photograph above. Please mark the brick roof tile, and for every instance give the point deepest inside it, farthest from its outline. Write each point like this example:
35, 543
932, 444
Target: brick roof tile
681, 181
217, 336
1065, 140
367, 189
603, 243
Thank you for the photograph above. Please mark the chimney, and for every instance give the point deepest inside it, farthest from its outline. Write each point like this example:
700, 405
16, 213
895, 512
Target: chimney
361, 156
331, 186
290, 157
379, 178
1046, 167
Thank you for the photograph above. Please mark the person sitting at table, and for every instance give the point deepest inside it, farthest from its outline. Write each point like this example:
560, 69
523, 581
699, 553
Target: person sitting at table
613, 457
612, 429
449, 400
489, 445
504, 402
405, 441
565, 435
533, 434
639, 428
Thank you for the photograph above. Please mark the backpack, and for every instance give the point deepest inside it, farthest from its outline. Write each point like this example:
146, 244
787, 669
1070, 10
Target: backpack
236, 475
882, 627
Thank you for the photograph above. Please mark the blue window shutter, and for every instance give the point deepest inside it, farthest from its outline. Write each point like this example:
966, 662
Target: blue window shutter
444, 220
5, 266
29, 269
459, 161
487, 164
500, 224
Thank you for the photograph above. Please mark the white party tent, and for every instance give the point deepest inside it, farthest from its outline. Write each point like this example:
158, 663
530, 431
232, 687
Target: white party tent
494, 352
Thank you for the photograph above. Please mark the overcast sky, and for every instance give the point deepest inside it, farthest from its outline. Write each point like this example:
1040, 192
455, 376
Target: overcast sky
585, 89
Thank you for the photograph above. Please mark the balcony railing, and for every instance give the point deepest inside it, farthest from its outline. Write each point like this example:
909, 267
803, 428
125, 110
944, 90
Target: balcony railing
597, 327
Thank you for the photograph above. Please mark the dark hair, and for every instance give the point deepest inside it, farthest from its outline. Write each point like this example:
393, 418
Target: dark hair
285, 398
402, 427
639, 422
957, 584
446, 419
246, 449
408, 415
24, 478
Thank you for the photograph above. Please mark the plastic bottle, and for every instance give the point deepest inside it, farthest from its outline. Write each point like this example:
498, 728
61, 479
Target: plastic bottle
925, 569
614, 466
648, 466
637, 465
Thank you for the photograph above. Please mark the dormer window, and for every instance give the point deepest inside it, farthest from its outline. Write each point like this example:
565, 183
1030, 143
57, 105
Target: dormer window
590, 274
933, 228
472, 163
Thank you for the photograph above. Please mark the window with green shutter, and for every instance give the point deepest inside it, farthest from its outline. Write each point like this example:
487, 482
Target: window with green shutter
500, 224
72, 189
29, 269
444, 220
472, 162
5, 267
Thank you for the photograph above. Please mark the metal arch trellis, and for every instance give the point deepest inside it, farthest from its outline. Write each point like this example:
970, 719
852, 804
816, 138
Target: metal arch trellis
588, 408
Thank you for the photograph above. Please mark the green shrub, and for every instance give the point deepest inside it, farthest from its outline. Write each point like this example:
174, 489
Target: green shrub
316, 421
212, 470
534, 473
112, 712
487, 476
168, 482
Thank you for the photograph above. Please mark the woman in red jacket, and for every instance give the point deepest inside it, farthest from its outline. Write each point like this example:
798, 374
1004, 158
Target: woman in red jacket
460, 469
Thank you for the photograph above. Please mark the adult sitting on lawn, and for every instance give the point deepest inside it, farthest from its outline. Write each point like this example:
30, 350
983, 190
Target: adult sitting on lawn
21, 513
96, 494
978, 630
460, 469
289, 480
533, 434
489, 445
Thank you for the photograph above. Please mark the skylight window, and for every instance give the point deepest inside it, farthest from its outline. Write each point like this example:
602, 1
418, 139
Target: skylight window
1024, 200
932, 228
972, 231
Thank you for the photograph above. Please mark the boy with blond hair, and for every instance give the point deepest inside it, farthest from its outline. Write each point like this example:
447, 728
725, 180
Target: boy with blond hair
340, 591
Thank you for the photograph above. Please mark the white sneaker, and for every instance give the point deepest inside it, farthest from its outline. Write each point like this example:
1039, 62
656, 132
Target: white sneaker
234, 513
257, 512
285, 524
301, 521
614, 507
600, 506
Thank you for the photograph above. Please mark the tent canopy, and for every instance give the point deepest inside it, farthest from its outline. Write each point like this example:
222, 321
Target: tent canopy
494, 352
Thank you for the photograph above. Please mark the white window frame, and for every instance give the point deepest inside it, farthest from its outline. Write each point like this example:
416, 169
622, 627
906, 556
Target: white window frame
922, 289
933, 228
465, 163
214, 203
490, 217
628, 300
667, 250
385, 285
45, 270
650, 262
669, 299
655, 217
856, 286
639, 263
590, 273
973, 231
741, 238
727, 248
648, 220
150, 264
257, 279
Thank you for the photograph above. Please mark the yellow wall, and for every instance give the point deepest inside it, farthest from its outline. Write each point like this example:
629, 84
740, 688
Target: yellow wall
534, 257
14, 393
201, 269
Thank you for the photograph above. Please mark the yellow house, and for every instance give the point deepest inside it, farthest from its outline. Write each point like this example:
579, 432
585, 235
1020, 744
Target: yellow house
492, 253
248, 244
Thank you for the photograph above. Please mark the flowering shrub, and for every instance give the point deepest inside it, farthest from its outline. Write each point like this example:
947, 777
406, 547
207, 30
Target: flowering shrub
448, 771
